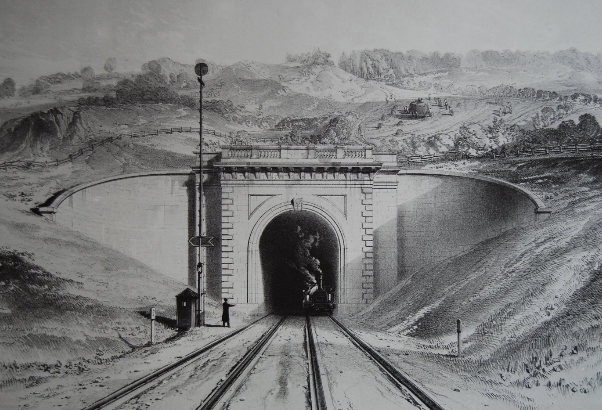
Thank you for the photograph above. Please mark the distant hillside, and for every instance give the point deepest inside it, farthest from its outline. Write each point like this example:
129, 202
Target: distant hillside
565, 70
39, 133
176, 73
571, 58
269, 84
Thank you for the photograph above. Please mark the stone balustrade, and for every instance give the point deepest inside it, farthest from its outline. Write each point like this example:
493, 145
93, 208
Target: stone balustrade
284, 152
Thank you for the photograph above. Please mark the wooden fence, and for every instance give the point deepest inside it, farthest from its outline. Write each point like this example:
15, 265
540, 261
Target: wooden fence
91, 145
594, 149
590, 150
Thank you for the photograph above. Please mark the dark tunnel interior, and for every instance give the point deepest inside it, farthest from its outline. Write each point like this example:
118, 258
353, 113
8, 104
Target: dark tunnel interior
283, 280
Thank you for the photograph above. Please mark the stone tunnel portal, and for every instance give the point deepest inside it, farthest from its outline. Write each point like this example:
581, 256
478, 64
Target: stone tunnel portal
289, 240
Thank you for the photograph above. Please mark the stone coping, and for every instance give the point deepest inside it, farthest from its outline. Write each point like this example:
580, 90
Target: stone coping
56, 202
541, 208
289, 163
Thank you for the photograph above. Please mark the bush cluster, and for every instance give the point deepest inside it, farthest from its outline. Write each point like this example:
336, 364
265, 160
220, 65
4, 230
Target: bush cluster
7, 88
587, 130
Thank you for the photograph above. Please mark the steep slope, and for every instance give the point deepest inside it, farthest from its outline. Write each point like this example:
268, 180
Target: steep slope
529, 299
38, 133
67, 303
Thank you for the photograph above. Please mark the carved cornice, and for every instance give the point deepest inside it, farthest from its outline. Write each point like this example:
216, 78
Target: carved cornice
339, 172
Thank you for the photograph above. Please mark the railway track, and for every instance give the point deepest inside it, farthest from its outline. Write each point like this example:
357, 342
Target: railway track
389, 369
290, 365
138, 386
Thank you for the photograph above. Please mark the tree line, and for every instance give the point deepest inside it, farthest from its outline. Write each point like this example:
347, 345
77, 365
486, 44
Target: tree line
392, 66
572, 58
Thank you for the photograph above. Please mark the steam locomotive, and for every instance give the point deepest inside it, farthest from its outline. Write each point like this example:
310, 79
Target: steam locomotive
320, 301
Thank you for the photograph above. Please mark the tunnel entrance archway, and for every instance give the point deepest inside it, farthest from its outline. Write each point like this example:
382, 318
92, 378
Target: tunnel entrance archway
288, 240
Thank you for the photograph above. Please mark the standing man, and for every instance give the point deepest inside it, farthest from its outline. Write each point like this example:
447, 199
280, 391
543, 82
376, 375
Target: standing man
226, 312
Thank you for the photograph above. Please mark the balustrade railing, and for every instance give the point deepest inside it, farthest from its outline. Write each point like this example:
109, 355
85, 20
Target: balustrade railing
326, 153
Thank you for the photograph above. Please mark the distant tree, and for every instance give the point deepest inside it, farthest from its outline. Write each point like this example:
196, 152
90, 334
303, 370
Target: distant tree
315, 57
152, 66
146, 88
33, 89
548, 116
87, 73
8, 88
587, 98
536, 121
567, 131
89, 84
588, 126
184, 79
110, 65
530, 92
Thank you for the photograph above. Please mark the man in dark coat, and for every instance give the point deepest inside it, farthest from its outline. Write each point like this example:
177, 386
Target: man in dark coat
226, 312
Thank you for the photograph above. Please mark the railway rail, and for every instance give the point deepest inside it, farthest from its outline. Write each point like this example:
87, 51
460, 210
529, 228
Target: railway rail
219, 395
318, 390
388, 368
137, 386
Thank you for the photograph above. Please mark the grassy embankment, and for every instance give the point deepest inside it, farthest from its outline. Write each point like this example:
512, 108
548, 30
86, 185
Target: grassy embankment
529, 300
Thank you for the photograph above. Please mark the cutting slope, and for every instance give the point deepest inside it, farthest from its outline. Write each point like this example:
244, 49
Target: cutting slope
529, 299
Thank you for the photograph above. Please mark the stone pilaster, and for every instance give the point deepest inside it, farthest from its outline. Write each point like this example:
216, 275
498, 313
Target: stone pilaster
368, 246
227, 242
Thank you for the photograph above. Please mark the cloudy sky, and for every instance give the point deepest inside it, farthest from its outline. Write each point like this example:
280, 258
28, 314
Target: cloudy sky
45, 36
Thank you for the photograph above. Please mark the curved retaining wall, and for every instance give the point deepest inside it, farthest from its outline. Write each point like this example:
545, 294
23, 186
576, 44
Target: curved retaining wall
443, 214
146, 216
420, 219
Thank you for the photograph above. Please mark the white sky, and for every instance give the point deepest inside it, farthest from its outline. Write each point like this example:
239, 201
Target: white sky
45, 36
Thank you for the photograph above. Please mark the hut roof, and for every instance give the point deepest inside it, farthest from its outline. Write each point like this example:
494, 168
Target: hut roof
187, 294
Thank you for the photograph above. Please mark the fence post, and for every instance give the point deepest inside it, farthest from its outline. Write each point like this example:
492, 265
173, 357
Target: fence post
459, 328
152, 329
